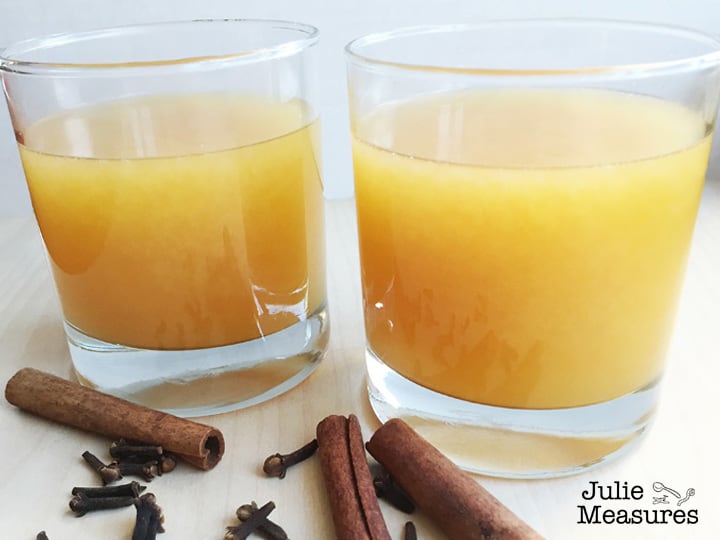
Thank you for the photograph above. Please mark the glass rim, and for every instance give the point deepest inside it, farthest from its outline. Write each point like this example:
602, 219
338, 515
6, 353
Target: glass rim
353, 50
10, 61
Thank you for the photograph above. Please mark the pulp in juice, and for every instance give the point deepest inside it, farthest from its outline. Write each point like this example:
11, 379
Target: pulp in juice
525, 248
180, 222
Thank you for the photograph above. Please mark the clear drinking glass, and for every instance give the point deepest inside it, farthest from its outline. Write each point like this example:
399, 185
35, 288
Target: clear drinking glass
526, 194
174, 173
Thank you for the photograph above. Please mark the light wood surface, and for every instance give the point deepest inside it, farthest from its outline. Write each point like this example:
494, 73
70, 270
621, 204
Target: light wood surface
40, 462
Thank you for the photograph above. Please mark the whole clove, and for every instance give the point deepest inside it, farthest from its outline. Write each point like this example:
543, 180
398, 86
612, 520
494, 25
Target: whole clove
81, 504
144, 460
247, 527
149, 518
121, 450
277, 465
147, 471
268, 528
132, 489
108, 473
410, 532
388, 489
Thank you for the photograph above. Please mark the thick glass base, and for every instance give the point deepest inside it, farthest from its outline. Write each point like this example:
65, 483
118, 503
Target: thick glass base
203, 381
512, 443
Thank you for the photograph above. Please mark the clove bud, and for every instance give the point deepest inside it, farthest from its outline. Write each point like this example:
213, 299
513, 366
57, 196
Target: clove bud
166, 463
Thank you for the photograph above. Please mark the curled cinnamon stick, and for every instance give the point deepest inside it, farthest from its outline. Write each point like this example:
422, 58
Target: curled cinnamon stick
70, 403
449, 496
355, 509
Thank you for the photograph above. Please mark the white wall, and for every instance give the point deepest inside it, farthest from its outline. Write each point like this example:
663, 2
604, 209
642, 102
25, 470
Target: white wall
338, 20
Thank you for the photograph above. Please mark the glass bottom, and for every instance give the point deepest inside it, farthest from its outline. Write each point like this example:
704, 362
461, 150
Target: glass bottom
512, 443
208, 381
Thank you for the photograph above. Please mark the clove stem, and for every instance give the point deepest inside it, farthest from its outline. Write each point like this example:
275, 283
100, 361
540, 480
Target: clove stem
81, 504
132, 489
410, 532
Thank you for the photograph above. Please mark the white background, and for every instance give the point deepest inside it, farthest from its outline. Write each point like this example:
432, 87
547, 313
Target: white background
338, 20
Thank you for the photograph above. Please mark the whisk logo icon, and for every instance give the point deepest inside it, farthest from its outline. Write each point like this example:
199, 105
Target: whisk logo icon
622, 503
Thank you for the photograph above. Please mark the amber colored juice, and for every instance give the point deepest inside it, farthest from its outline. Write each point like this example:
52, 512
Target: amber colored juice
526, 248
180, 222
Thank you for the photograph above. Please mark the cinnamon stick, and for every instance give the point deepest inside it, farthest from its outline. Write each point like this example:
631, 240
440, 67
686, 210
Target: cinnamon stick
355, 509
75, 405
452, 498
